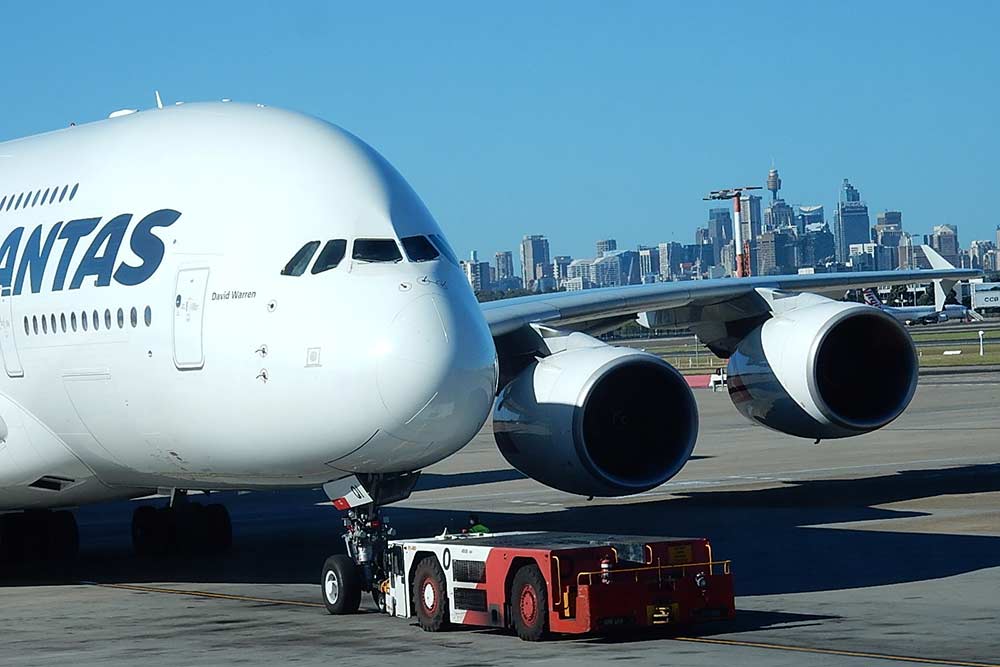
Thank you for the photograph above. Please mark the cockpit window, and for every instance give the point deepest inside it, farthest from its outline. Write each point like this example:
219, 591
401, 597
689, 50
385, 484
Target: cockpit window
419, 249
297, 264
445, 249
330, 256
376, 250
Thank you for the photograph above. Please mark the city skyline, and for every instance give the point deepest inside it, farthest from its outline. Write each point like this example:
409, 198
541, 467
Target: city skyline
863, 229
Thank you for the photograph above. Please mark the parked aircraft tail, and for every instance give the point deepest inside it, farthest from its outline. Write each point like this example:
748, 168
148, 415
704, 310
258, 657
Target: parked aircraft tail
872, 299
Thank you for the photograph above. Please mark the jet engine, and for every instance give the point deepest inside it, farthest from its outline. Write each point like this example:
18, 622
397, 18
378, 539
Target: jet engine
825, 370
597, 420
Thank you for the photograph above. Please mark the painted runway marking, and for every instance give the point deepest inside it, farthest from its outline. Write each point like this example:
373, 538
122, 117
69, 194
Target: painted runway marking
830, 651
200, 594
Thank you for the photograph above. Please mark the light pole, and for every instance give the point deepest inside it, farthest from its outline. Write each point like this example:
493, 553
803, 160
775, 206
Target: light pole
981, 332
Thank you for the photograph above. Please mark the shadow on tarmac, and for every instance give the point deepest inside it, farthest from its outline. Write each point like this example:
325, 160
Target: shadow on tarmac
775, 537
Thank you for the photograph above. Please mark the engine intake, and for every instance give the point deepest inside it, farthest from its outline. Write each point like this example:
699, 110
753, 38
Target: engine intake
828, 370
597, 421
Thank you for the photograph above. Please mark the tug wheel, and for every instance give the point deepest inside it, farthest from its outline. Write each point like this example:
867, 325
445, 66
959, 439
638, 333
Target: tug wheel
430, 597
341, 584
529, 604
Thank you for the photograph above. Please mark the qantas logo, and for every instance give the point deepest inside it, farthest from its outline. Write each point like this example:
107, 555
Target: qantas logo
871, 299
23, 261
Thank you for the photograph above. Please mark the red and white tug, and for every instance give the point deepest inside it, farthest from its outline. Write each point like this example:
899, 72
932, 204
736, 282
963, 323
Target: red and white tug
541, 582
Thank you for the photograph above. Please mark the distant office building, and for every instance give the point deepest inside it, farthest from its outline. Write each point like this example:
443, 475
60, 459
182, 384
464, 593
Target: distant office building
607, 270
477, 273
630, 271
816, 246
809, 215
779, 215
851, 223
560, 266
911, 254
534, 259
998, 237
873, 257
720, 228
702, 235
581, 268
606, 245
576, 284
978, 253
664, 253
649, 264
750, 216
504, 261
945, 241
888, 229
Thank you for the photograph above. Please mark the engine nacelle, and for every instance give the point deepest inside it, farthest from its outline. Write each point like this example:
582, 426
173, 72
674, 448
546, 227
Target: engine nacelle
825, 370
597, 420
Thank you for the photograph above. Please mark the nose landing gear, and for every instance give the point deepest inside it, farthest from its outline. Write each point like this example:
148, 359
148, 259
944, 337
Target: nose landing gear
365, 567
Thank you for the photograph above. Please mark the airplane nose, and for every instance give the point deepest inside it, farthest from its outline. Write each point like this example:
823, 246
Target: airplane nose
436, 372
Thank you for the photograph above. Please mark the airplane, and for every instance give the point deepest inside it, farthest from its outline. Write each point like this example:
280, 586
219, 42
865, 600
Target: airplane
913, 315
939, 312
225, 296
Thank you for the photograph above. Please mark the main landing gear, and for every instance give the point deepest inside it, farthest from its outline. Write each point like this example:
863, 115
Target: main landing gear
38, 535
365, 566
183, 526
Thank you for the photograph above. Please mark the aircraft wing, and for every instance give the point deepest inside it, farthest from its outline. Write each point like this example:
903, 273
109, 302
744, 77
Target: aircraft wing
718, 311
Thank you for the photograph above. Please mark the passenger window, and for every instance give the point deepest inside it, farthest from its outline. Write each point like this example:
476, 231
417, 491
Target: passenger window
107, 319
72, 320
133, 317
419, 249
27, 331
45, 325
34, 324
53, 321
62, 322
297, 264
376, 250
330, 256
445, 249
147, 316
121, 318
96, 321
83, 320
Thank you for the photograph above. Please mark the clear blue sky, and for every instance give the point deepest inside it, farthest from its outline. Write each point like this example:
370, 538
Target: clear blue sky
577, 120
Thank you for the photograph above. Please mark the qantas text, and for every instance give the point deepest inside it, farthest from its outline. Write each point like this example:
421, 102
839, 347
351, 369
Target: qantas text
22, 265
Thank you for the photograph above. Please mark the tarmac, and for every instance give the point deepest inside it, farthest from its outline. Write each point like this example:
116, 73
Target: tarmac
879, 549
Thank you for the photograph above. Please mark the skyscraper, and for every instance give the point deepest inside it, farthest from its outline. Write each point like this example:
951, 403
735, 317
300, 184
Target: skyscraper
649, 264
505, 265
945, 241
888, 229
534, 259
809, 215
560, 265
606, 245
851, 223
720, 228
750, 218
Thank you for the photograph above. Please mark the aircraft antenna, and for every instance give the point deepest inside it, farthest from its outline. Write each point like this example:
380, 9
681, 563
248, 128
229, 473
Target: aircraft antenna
159, 102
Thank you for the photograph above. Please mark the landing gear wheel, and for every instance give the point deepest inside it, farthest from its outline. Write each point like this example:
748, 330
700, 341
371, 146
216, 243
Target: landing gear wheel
430, 597
219, 528
341, 583
63, 536
529, 604
150, 531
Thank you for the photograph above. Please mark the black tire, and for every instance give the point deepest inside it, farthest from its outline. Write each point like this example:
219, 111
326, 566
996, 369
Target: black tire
150, 531
430, 595
219, 528
341, 584
529, 604
63, 537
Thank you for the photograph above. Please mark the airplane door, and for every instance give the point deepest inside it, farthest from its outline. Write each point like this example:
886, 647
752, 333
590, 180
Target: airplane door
11, 359
189, 310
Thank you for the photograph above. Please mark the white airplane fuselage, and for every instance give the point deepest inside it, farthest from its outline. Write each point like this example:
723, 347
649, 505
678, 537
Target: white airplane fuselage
243, 377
